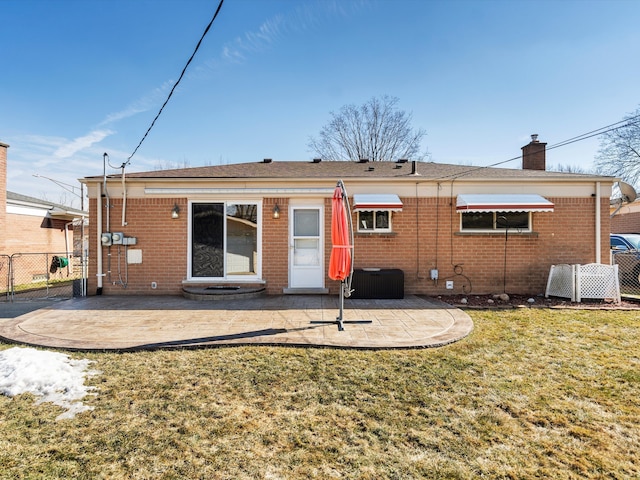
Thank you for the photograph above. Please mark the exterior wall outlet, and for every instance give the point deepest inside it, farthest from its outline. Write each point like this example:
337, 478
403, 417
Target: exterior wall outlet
449, 284
154, 285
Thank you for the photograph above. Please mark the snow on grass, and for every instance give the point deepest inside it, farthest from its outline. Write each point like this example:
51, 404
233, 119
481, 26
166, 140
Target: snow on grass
50, 376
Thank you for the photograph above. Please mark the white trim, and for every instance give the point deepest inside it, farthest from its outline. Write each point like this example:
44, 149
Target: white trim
27, 211
302, 205
598, 227
374, 229
509, 230
226, 278
237, 191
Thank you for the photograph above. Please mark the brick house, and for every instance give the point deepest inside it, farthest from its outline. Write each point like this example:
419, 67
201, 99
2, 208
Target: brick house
626, 218
32, 231
31, 225
447, 228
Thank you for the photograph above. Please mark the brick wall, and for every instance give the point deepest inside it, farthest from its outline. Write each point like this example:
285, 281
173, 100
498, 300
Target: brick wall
425, 236
275, 245
162, 239
626, 223
32, 234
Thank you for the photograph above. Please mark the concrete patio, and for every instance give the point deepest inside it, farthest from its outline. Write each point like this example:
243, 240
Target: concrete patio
153, 322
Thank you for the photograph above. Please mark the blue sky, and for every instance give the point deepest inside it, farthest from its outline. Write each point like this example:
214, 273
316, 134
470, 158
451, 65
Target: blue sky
81, 78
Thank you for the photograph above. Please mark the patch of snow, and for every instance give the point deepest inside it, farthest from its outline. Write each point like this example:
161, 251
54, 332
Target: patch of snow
53, 377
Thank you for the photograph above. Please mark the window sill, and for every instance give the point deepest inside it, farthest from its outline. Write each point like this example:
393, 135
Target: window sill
375, 234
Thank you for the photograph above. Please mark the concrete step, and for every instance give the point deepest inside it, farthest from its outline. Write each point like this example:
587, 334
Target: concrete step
222, 292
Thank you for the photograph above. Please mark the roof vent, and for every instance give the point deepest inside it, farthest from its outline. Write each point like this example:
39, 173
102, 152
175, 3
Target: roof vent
402, 160
364, 160
317, 160
371, 169
267, 160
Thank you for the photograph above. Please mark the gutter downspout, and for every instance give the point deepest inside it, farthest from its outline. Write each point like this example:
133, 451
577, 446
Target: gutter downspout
66, 244
124, 200
99, 273
598, 225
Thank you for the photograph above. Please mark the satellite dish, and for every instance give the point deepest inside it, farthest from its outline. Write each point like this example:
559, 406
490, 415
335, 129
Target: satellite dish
628, 192
627, 195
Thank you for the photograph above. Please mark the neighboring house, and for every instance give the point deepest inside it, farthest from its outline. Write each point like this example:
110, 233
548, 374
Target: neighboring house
626, 218
38, 226
474, 229
30, 226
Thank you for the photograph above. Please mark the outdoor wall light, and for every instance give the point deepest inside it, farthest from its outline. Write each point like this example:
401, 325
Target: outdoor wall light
175, 212
276, 211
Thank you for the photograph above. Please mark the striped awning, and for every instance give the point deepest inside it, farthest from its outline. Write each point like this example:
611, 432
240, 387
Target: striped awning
367, 202
477, 203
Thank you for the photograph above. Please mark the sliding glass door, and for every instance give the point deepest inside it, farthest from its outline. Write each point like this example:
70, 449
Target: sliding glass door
224, 240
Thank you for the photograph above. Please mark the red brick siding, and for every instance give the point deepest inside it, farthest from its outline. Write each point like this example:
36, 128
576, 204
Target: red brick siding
425, 236
31, 234
626, 223
275, 245
162, 239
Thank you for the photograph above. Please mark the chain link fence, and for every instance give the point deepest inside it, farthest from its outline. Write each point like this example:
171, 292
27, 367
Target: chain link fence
33, 276
629, 271
5, 262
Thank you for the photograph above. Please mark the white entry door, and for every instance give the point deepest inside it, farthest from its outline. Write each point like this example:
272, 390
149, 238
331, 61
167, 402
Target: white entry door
306, 268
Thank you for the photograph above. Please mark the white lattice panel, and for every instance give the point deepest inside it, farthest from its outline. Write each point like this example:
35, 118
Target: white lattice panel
595, 280
561, 282
576, 282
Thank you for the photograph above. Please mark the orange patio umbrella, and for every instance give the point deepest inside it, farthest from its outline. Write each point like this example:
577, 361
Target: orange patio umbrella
340, 260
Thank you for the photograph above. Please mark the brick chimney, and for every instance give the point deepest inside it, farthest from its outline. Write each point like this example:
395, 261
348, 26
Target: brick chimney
3, 196
534, 155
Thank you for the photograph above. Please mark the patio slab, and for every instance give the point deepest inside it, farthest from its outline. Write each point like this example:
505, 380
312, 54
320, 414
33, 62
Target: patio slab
153, 322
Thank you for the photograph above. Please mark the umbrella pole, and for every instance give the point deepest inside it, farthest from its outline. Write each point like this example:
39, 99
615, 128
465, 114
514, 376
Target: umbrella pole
339, 318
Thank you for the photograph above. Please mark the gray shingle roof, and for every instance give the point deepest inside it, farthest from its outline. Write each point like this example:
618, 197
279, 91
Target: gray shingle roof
348, 169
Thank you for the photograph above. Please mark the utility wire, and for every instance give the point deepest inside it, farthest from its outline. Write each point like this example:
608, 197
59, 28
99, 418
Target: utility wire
206, 30
594, 133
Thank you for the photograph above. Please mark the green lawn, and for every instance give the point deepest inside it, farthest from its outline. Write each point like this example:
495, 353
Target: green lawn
531, 393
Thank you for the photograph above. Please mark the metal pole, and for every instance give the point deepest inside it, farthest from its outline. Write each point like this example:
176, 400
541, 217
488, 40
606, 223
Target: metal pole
339, 319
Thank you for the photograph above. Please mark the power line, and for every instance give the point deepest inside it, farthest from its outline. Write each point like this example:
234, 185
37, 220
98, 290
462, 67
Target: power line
594, 133
206, 30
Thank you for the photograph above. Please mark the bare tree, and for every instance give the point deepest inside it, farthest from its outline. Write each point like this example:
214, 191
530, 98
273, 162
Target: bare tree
619, 153
170, 165
568, 169
376, 130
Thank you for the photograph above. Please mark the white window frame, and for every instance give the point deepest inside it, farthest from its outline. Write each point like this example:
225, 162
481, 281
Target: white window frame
375, 229
228, 277
496, 227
